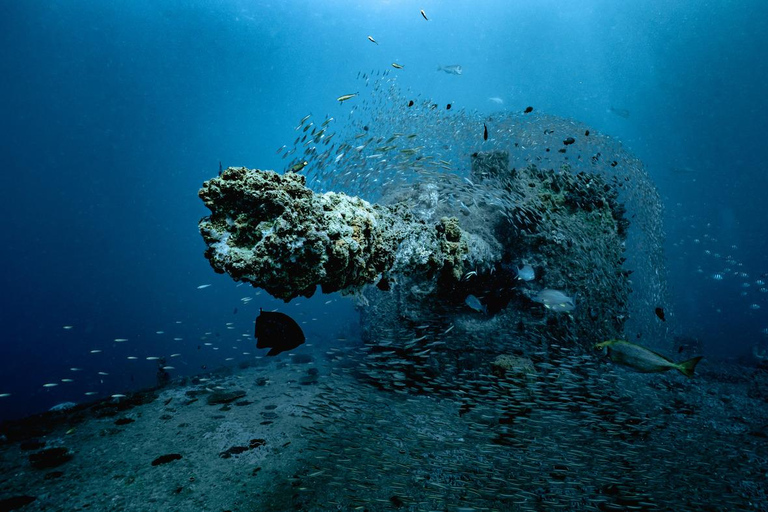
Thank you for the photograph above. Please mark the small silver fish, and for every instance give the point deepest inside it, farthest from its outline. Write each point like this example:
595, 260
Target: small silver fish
454, 69
345, 97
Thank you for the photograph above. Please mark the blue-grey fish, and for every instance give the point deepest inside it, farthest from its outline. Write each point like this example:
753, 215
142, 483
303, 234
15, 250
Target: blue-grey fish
644, 360
555, 300
621, 112
454, 69
475, 304
526, 273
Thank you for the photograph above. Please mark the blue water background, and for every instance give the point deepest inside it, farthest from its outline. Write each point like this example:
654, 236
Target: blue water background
112, 114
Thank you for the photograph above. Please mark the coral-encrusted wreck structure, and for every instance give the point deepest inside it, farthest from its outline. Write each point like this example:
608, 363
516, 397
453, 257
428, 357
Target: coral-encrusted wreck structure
275, 233
522, 250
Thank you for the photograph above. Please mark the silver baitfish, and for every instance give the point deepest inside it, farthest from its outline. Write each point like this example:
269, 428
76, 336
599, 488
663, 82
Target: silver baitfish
454, 69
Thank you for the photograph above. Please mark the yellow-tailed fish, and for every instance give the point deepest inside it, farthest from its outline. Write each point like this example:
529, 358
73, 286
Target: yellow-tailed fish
644, 360
297, 167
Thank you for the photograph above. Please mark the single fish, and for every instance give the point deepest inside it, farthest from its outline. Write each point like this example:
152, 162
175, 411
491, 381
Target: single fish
342, 99
384, 284
278, 332
298, 167
621, 112
203, 286
396, 65
644, 360
424, 15
64, 406
526, 273
371, 39
496, 100
303, 120
474, 303
454, 69
485, 132
555, 300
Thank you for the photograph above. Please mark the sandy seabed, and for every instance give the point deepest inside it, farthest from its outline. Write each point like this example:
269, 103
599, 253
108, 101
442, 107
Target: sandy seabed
310, 435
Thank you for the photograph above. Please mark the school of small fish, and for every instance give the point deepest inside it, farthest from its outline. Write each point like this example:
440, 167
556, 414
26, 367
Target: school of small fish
547, 428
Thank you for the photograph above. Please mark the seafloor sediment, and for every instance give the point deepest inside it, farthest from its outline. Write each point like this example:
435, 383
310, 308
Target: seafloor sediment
304, 433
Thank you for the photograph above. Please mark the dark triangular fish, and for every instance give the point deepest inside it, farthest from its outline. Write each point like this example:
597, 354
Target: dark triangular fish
278, 332
383, 284
660, 313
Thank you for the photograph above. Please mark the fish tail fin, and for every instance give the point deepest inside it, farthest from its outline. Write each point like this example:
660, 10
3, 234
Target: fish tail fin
687, 367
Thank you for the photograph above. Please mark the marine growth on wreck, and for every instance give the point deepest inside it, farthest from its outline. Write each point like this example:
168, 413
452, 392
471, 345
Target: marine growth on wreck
415, 215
